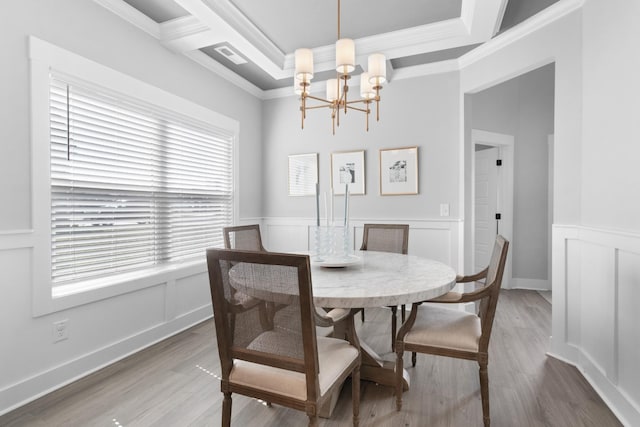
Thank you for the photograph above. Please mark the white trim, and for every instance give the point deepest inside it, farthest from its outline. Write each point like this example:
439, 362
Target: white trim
44, 58
132, 15
16, 239
542, 19
506, 145
477, 24
603, 376
530, 284
29, 389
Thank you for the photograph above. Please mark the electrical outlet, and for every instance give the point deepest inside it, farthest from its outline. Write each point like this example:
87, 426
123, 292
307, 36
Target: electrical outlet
60, 331
444, 209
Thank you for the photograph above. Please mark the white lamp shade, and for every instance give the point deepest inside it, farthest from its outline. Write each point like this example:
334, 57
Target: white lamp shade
304, 64
377, 69
366, 89
345, 56
334, 90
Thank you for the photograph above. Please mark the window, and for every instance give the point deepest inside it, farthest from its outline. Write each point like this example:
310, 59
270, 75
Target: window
133, 186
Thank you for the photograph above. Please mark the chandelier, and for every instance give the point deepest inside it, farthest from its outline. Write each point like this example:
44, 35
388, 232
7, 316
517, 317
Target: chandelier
337, 89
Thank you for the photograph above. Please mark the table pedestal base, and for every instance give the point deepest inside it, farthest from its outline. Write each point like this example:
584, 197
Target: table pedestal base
373, 369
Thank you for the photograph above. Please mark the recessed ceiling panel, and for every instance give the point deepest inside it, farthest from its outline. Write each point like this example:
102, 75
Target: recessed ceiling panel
426, 58
519, 10
290, 24
158, 10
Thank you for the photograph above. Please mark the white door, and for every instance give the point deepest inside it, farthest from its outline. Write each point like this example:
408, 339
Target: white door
486, 203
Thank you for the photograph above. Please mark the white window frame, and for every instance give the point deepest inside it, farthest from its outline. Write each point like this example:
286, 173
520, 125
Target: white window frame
44, 58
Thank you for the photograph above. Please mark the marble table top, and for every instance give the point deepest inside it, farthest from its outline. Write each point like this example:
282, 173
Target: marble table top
381, 279
376, 279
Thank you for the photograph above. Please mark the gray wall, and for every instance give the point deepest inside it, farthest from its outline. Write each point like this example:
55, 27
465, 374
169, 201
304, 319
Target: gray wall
422, 111
91, 31
524, 107
108, 329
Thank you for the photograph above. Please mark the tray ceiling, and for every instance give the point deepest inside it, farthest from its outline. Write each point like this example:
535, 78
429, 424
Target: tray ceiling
252, 42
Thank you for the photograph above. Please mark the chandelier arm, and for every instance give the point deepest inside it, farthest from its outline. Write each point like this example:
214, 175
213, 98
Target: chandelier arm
315, 107
319, 99
356, 108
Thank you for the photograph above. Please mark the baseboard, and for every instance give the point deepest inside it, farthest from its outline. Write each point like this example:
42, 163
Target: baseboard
530, 284
622, 407
19, 394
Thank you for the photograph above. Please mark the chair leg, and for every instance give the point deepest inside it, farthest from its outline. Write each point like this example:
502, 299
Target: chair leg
399, 379
226, 410
394, 326
404, 313
313, 421
413, 359
484, 393
355, 395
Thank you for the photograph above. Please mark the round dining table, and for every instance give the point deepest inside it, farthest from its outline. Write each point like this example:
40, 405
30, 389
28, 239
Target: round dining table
379, 279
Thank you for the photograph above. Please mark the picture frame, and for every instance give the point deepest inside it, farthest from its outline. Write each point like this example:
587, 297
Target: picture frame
399, 171
303, 174
347, 167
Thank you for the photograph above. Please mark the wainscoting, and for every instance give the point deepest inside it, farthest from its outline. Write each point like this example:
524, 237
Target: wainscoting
596, 290
437, 239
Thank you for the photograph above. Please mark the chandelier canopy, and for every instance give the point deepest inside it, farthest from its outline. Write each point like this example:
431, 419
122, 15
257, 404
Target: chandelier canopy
337, 89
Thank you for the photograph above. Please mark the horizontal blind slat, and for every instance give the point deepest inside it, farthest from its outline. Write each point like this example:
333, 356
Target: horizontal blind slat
132, 185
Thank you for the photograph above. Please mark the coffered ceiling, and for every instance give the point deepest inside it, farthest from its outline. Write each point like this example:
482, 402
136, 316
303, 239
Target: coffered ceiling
251, 42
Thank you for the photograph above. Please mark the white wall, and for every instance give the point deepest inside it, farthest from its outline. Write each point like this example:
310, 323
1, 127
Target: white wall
523, 107
594, 269
104, 331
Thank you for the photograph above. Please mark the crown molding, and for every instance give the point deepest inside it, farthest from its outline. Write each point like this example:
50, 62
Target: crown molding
231, 14
223, 30
132, 15
224, 22
213, 65
531, 25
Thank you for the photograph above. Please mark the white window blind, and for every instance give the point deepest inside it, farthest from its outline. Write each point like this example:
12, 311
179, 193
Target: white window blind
132, 185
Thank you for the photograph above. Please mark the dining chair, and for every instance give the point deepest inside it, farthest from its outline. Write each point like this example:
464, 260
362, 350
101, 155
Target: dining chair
286, 363
245, 237
387, 238
453, 333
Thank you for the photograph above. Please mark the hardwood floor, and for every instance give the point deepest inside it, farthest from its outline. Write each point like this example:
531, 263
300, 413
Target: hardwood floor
174, 383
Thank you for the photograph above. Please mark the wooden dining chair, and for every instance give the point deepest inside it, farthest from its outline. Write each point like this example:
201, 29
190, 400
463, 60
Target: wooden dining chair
448, 332
387, 238
286, 363
244, 237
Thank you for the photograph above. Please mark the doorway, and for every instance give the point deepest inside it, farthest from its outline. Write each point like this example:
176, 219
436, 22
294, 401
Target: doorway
492, 194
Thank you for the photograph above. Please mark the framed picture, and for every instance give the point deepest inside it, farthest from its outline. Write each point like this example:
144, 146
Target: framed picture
303, 174
347, 167
399, 171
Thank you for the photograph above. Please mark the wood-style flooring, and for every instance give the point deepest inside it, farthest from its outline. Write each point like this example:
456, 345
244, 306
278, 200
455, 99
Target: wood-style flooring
174, 383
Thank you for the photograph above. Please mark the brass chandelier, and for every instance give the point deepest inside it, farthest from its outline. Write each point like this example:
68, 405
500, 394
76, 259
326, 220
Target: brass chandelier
337, 89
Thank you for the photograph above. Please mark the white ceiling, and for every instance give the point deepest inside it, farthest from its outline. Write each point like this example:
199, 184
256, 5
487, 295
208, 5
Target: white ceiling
265, 33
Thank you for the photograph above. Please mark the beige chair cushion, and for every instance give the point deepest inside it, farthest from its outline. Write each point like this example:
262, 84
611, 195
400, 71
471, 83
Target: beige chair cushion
445, 328
334, 357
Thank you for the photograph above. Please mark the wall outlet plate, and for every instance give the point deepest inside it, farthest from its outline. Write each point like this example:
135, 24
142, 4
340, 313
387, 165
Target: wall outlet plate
60, 331
444, 209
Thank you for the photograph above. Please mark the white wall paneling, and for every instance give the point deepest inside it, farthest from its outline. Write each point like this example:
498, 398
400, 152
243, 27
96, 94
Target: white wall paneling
596, 287
430, 238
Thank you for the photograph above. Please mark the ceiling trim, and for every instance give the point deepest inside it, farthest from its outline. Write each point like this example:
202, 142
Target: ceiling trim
478, 24
534, 23
220, 31
213, 65
231, 14
132, 15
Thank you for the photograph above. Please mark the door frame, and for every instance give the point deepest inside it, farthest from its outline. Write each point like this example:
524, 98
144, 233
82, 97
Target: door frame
505, 144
